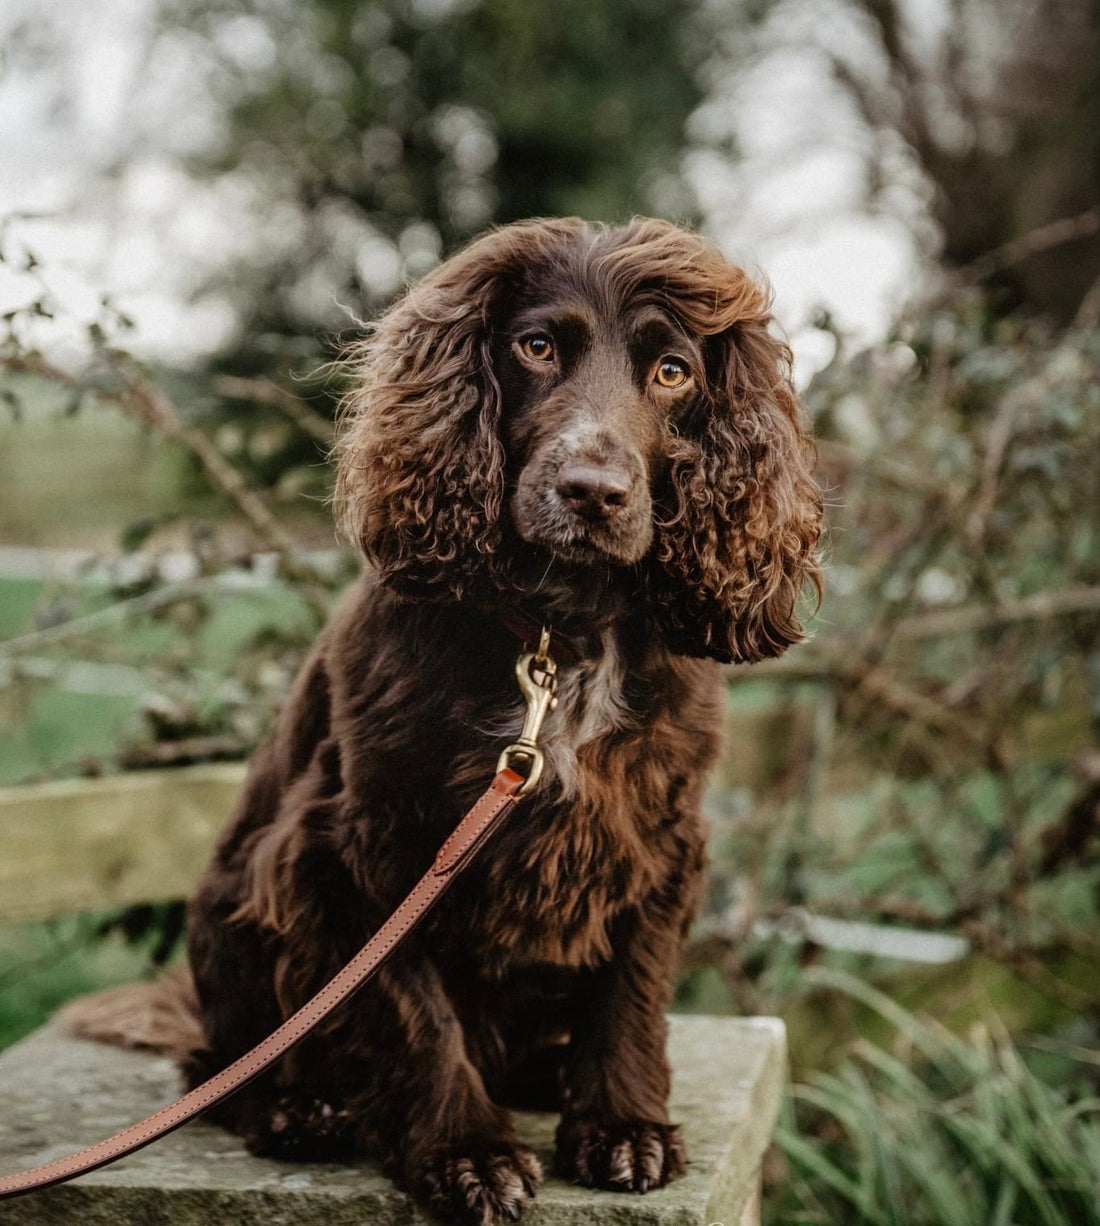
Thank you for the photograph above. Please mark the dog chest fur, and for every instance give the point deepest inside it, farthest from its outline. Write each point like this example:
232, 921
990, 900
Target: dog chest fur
616, 818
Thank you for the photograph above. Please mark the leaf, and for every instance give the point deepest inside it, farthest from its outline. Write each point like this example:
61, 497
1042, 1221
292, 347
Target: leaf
13, 402
812, 1160
136, 533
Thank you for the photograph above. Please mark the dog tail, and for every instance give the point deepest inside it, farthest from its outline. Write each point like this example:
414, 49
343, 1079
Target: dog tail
162, 1016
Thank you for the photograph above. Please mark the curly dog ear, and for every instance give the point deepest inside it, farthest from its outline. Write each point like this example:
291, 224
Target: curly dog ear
739, 519
420, 476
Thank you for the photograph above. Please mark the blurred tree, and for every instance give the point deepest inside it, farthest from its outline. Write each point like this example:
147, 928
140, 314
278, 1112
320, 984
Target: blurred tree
378, 134
1000, 102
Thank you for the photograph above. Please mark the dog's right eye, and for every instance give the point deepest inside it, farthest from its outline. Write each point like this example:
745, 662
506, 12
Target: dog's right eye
539, 348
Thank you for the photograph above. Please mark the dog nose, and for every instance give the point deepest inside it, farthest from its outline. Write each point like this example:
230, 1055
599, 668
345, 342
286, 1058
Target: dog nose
592, 490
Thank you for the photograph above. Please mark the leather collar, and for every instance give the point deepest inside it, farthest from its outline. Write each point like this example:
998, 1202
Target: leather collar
566, 648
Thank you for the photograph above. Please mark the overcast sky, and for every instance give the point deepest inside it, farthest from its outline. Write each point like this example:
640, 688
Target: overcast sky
791, 209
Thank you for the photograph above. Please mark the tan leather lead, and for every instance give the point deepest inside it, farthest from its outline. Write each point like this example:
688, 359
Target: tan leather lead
494, 804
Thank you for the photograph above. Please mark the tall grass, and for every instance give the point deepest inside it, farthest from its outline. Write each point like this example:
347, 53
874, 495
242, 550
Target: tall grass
937, 1131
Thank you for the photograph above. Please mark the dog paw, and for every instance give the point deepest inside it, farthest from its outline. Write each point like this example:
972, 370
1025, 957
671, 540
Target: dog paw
300, 1130
623, 1157
478, 1184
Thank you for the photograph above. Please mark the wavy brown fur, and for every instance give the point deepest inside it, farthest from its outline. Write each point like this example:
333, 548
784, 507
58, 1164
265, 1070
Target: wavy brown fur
423, 476
664, 528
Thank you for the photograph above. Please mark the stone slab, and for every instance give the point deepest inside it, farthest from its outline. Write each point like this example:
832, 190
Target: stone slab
59, 1094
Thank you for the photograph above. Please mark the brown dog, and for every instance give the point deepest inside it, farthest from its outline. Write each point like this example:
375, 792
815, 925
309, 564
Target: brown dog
596, 428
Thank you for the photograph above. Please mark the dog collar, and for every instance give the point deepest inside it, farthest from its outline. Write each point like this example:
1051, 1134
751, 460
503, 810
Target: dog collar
568, 648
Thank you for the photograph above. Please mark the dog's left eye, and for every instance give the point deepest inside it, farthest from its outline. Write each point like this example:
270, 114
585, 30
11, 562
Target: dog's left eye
539, 348
670, 372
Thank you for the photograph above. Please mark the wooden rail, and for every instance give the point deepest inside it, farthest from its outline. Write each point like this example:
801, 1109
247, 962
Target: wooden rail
83, 844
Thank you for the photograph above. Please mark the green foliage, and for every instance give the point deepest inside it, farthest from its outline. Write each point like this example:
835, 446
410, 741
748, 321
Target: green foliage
44, 964
934, 1130
929, 755
206, 667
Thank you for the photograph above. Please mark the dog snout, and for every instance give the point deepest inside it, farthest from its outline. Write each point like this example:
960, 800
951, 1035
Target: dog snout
592, 490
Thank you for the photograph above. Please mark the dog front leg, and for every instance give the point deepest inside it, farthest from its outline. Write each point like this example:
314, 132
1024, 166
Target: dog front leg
615, 1131
395, 1068
389, 1072
411, 1087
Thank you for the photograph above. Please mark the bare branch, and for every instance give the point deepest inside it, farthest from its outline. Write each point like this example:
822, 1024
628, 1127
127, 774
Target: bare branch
1042, 606
148, 602
998, 437
1088, 312
900, 700
157, 410
190, 749
897, 473
263, 391
1043, 238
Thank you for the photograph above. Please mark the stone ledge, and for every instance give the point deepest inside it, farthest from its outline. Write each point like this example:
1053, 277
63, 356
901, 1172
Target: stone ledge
61, 1093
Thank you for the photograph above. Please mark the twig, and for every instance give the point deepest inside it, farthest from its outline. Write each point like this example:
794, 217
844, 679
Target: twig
874, 684
1042, 606
903, 909
1069, 837
1043, 238
154, 408
1088, 312
897, 473
139, 396
172, 753
263, 391
998, 437
1028, 963
148, 602
911, 705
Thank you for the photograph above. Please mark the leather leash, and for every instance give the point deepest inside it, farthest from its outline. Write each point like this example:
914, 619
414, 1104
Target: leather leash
536, 673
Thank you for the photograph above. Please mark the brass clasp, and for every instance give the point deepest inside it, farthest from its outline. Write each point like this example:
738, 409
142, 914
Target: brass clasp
536, 673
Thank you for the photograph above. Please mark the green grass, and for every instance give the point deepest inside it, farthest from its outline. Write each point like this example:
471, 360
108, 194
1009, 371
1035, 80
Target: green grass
935, 1130
45, 963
